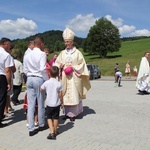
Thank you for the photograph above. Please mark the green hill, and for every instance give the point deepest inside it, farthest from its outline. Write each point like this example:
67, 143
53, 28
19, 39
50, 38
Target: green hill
130, 51
53, 41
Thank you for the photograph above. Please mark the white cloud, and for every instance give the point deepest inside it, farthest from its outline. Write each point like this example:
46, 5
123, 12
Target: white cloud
19, 28
126, 29
118, 22
143, 32
82, 23
123, 29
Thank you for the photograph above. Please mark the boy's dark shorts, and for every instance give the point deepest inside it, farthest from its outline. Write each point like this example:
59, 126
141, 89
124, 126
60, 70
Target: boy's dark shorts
52, 112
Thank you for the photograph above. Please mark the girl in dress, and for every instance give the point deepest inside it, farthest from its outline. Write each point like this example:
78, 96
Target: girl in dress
127, 70
25, 106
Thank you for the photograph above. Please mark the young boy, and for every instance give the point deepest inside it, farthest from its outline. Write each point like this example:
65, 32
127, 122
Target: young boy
54, 100
118, 76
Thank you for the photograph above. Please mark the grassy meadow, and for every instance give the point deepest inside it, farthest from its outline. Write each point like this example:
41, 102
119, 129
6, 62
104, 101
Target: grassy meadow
130, 51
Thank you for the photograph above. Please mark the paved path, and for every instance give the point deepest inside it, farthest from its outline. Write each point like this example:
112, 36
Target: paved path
114, 118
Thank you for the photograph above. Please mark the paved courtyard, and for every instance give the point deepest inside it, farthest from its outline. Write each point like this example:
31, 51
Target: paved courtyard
114, 118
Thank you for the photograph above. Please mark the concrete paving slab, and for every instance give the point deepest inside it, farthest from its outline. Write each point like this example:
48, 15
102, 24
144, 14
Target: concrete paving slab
114, 118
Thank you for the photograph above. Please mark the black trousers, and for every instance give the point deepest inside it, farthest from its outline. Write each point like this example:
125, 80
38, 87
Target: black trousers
16, 91
3, 95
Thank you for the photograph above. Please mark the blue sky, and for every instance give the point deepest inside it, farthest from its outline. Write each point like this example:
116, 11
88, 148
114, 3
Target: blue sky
20, 19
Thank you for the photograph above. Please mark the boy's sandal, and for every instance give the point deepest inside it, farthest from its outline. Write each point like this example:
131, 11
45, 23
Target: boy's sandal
56, 133
51, 136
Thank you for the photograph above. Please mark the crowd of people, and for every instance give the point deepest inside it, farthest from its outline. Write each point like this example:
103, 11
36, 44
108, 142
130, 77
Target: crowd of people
128, 73
142, 75
59, 83
51, 85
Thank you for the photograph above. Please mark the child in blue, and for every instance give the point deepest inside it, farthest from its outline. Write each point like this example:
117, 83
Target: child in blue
54, 100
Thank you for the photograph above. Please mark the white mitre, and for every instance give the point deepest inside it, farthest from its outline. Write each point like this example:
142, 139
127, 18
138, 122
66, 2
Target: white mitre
68, 34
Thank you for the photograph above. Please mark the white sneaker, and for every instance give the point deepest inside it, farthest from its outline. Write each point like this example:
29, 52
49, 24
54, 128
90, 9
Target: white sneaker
36, 124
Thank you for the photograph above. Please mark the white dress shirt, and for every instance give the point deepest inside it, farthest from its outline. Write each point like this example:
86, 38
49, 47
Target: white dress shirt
5, 61
35, 63
28, 51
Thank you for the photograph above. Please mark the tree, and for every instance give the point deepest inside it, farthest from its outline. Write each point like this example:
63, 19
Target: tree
52, 39
58, 46
102, 38
20, 47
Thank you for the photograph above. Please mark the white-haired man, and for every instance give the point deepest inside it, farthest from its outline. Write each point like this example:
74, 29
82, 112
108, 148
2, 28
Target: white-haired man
74, 75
